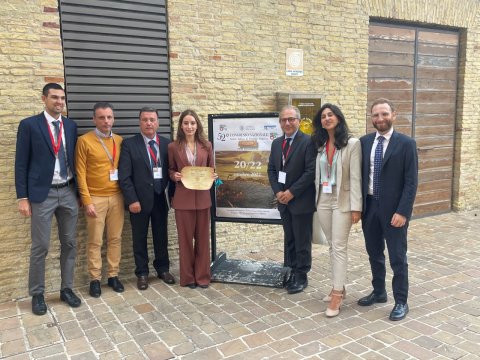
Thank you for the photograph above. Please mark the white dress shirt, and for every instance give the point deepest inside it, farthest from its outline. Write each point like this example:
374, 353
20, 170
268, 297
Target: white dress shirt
57, 179
386, 141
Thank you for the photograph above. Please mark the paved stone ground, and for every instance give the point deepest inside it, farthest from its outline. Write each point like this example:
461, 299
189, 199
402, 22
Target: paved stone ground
250, 322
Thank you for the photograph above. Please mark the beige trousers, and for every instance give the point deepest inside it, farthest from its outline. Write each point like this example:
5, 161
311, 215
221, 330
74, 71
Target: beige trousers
110, 216
336, 226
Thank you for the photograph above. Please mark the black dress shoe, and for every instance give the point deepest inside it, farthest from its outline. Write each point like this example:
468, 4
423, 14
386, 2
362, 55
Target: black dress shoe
291, 279
142, 282
39, 307
167, 277
297, 286
191, 286
399, 312
95, 289
115, 284
372, 299
204, 286
70, 298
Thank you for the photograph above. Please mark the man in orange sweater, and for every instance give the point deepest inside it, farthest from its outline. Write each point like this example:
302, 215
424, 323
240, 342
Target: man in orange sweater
96, 154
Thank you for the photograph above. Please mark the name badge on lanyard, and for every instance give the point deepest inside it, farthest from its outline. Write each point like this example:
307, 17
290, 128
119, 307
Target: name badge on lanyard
326, 188
112, 173
282, 177
326, 185
157, 172
155, 157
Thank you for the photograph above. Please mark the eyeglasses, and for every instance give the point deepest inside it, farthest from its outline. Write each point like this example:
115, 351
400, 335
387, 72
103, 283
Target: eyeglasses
289, 119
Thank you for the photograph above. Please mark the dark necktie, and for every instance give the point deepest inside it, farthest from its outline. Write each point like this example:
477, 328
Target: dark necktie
62, 159
377, 167
154, 150
286, 147
157, 183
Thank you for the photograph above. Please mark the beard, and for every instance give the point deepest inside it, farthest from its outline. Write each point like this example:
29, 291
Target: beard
384, 126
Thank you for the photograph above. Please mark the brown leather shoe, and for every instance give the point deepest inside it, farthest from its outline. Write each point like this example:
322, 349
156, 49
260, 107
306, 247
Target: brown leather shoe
142, 282
167, 278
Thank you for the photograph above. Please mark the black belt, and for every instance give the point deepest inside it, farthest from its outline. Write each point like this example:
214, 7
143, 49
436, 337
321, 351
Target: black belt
62, 185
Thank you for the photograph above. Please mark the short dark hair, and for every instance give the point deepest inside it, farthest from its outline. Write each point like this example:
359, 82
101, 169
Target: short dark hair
102, 105
383, 101
147, 109
49, 86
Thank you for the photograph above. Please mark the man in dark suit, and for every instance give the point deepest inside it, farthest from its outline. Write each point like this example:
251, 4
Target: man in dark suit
291, 172
45, 185
144, 180
389, 186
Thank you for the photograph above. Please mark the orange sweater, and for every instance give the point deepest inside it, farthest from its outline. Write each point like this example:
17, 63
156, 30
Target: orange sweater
93, 166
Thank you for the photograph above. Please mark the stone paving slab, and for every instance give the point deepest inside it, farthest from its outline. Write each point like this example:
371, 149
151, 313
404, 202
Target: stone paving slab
232, 321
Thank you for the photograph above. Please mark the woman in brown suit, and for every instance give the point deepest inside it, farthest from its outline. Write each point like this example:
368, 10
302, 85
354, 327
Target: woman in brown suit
192, 207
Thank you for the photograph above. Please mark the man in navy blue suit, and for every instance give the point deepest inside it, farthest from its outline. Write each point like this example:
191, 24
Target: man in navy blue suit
389, 186
147, 188
45, 185
291, 172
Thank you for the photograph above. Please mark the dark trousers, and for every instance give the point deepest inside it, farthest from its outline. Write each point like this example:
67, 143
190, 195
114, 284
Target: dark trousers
297, 230
378, 231
158, 218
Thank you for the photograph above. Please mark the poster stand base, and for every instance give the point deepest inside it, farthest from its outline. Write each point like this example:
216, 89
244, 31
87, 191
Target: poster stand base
248, 272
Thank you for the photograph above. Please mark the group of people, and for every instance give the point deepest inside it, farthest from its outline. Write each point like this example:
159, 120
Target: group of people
337, 179
330, 177
56, 174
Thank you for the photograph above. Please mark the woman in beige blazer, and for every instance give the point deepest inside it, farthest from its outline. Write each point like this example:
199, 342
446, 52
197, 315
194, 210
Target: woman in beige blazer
192, 207
339, 194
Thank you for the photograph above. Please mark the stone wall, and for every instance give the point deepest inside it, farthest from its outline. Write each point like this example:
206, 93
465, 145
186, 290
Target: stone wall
30, 56
228, 56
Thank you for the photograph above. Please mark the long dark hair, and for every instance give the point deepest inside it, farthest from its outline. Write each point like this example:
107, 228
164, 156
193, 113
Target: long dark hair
320, 135
199, 134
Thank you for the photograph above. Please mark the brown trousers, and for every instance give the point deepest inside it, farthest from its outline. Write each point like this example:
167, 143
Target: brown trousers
110, 216
194, 246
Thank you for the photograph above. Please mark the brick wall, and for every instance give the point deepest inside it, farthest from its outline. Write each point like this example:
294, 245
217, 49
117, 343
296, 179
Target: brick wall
225, 57
228, 57
466, 194
30, 55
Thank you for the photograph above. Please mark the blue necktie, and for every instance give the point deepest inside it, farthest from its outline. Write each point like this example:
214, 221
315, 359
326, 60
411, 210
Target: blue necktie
377, 167
62, 159
157, 183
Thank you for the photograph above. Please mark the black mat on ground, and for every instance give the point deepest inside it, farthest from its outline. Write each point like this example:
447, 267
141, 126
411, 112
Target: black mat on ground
248, 272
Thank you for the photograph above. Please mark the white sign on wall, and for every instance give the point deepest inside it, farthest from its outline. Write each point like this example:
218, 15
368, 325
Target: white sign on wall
294, 62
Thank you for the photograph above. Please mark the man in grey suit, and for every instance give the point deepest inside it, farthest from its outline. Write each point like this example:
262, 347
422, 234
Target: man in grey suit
45, 185
291, 172
389, 186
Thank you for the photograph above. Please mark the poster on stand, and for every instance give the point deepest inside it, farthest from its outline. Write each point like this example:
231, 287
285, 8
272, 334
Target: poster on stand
241, 145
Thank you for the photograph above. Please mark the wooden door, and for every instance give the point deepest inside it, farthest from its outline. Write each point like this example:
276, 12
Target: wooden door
417, 69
